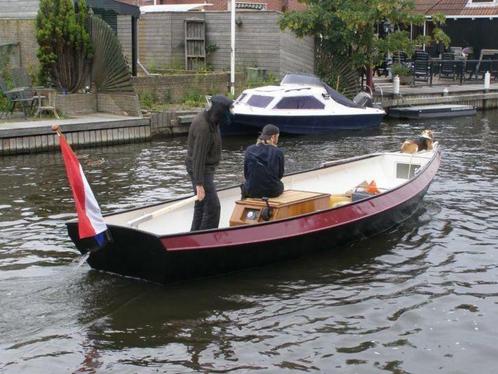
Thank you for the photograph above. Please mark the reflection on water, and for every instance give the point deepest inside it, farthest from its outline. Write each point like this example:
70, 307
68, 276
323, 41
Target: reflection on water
419, 298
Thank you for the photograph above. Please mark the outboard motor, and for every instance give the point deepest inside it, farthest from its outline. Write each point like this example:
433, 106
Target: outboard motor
364, 100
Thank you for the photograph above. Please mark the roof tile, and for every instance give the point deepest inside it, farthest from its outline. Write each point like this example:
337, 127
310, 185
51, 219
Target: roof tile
453, 8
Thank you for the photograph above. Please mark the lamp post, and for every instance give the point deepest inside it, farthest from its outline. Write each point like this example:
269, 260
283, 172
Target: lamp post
232, 52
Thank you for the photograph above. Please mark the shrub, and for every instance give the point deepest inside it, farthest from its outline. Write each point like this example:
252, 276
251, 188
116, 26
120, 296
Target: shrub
193, 98
400, 70
146, 99
64, 43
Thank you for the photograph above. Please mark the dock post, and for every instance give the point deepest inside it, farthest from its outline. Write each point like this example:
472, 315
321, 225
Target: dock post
487, 81
396, 85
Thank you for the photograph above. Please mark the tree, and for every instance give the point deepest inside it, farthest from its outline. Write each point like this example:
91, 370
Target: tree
65, 48
347, 30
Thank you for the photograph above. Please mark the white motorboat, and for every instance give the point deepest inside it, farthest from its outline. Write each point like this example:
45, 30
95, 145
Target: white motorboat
302, 104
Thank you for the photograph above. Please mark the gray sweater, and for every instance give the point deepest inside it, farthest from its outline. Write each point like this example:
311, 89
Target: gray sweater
203, 148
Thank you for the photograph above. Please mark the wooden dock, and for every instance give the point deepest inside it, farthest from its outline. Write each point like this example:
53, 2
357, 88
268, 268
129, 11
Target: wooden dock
98, 129
24, 136
441, 93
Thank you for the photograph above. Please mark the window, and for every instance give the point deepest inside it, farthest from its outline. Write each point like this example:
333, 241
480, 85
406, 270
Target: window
481, 3
240, 98
259, 101
299, 102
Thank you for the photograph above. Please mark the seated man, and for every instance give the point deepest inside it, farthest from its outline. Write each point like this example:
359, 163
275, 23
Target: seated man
264, 166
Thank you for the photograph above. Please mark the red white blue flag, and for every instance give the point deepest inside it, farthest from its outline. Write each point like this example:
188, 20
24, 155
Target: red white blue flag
90, 220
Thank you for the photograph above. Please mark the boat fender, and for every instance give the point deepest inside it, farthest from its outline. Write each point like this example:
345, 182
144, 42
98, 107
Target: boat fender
267, 211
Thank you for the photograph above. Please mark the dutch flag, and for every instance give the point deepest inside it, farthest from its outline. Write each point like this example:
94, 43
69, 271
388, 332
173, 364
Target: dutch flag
90, 221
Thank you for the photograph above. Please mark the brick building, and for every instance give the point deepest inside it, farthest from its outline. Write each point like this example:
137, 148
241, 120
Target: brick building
276, 5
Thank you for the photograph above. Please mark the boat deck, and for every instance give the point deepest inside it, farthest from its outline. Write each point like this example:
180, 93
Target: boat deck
388, 170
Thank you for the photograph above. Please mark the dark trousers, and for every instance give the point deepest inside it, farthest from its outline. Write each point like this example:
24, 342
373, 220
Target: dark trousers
207, 211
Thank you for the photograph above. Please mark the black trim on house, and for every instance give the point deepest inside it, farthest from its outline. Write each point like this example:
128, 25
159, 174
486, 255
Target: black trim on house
116, 6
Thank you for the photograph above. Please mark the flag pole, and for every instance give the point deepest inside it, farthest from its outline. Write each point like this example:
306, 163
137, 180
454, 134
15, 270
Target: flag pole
91, 223
232, 48
57, 130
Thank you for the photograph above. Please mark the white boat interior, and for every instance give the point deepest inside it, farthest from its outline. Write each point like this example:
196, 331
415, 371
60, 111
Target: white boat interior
388, 170
304, 96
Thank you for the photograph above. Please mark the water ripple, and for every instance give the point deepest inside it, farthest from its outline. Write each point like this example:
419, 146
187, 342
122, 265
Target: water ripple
418, 298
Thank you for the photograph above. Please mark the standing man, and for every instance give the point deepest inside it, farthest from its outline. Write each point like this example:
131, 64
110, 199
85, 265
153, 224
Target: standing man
203, 156
264, 166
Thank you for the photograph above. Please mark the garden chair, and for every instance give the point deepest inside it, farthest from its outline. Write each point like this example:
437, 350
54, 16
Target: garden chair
483, 67
28, 96
485, 62
46, 103
400, 57
471, 69
448, 66
22, 95
421, 68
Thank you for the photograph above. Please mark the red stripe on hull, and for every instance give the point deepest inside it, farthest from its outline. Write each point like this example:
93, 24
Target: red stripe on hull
324, 220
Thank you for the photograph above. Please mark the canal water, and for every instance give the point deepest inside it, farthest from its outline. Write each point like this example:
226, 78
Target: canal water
421, 298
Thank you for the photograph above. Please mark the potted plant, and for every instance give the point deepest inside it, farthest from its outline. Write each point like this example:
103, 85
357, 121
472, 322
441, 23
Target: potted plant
403, 72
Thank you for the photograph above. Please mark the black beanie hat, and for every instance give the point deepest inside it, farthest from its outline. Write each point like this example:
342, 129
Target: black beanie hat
222, 100
268, 131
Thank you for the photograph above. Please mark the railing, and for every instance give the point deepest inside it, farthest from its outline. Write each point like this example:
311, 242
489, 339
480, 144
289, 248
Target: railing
461, 70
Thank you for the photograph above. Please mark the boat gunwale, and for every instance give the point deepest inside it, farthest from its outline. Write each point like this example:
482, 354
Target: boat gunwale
324, 165
366, 111
323, 211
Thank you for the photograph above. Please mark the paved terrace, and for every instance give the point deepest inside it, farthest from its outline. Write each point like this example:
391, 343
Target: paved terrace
421, 94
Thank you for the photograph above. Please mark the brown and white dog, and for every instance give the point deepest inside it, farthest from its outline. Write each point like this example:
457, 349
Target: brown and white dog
422, 143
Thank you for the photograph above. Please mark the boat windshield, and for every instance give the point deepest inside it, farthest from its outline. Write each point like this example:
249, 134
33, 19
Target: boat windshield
259, 101
299, 102
240, 98
302, 79
312, 80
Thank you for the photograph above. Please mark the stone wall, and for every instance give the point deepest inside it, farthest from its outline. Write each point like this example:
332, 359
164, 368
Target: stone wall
296, 55
123, 104
21, 31
124, 35
19, 8
173, 88
171, 122
76, 104
259, 41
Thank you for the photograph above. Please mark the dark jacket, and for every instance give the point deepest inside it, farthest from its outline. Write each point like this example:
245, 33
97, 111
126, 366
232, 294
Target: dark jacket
203, 148
263, 169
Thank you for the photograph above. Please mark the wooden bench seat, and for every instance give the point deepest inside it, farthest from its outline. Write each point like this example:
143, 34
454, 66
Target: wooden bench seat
290, 204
